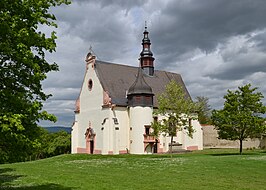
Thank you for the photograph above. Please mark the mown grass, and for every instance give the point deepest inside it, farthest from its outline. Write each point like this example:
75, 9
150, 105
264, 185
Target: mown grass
208, 169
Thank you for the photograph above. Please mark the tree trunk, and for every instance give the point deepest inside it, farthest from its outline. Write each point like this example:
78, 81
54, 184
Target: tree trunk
155, 149
241, 146
171, 145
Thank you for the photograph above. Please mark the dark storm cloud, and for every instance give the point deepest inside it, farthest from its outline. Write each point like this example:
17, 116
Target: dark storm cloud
240, 67
260, 40
185, 25
121, 3
106, 28
62, 93
65, 120
62, 109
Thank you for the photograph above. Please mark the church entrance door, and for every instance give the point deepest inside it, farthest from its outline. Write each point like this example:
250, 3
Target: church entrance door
90, 140
91, 146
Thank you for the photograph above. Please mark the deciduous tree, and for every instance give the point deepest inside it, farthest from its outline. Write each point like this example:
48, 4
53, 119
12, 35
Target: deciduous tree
177, 109
242, 115
204, 110
52, 144
23, 66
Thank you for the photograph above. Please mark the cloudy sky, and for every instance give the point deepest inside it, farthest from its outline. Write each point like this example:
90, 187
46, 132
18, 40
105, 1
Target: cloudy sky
214, 44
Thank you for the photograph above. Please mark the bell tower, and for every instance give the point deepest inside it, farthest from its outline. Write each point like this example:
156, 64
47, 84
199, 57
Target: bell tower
140, 99
146, 56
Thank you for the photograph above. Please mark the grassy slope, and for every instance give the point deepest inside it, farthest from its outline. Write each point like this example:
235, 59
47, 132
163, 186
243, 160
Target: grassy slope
200, 170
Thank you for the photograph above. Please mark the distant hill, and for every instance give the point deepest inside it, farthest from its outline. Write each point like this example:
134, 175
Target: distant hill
55, 129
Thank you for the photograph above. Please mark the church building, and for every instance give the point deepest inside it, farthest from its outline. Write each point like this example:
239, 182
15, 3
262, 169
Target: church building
115, 107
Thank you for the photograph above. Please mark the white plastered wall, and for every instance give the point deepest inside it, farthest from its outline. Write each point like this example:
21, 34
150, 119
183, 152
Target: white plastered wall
197, 138
188, 143
91, 111
120, 130
74, 136
139, 117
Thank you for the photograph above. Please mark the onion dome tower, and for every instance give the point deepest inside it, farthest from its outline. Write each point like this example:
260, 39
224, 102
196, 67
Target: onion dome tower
140, 102
140, 93
146, 56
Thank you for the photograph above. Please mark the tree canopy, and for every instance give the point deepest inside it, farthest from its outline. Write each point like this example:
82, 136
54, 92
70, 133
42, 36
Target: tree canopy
242, 115
52, 144
177, 109
23, 66
204, 110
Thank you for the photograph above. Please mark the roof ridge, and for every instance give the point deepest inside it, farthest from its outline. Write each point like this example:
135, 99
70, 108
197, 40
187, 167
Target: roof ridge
118, 64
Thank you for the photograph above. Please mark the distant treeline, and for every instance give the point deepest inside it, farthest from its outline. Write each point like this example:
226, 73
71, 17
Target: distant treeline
55, 129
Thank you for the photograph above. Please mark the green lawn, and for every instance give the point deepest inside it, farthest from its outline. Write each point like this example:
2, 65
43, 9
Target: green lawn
208, 169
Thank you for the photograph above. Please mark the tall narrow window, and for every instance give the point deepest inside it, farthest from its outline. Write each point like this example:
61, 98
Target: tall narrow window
147, 129
90, 84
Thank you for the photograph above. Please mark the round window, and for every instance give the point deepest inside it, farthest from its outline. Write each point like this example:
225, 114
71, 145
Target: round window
90, 83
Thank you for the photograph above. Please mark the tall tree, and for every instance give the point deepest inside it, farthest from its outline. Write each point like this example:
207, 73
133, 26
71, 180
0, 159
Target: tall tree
204, 110
177, 109
242, 115
23, 66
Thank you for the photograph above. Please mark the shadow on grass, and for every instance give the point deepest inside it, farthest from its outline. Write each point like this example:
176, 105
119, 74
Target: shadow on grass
6, 179
37, 187
236, 153
227, 154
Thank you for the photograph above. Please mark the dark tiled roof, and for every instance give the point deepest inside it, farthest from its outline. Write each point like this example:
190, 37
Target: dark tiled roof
140, 86
116, 79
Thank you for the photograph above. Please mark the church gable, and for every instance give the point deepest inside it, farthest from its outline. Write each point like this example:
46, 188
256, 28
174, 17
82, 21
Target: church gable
92, 91
91, 94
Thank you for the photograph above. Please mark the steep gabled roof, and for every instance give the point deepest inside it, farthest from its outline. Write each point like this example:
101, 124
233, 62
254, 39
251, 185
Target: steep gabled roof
116, 79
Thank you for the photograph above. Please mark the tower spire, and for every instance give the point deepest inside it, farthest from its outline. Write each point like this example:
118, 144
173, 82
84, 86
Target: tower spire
146, 56
145, 25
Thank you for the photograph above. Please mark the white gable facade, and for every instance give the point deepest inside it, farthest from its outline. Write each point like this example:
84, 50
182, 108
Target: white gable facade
95, 111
